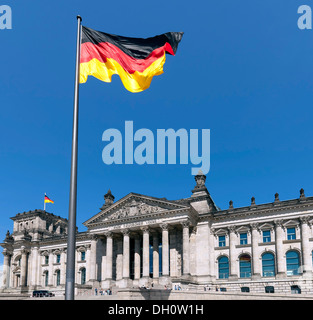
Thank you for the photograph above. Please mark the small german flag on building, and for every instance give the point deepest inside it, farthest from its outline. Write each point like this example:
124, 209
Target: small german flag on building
135, 60
47, 200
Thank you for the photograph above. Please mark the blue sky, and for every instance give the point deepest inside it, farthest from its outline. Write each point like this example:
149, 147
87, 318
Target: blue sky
243, 70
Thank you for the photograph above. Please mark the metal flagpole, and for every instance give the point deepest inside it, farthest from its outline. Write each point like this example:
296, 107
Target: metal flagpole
44, 203
71, 237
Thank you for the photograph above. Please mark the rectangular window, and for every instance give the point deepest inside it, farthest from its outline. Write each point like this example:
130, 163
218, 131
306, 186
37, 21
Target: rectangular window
269, 289
46, 259
291, 233
221, 241
58, 258
83, 255
266, 236
243, 238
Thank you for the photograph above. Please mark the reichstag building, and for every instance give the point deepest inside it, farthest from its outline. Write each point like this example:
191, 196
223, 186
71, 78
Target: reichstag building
141, 240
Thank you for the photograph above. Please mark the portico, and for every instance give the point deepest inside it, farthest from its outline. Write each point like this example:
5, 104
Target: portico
144, 241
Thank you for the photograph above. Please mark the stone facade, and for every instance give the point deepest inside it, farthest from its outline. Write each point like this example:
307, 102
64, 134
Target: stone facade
142, 240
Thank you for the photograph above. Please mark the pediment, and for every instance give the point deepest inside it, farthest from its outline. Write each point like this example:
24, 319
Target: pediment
266, 226
134, 206
291, 223
242, 229
219, 232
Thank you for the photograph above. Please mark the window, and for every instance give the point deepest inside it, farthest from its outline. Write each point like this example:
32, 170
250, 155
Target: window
295, 289
269, 289
223, 268
245, 266
268, 265
293, 263
46, 278
83, 255
58, 259
291, 233
221, 241
243, 238
46, 259
245, 289
267, 236
58, 275
83, 276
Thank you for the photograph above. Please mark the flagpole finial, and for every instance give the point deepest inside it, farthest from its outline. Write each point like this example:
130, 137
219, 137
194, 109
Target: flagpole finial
79, 17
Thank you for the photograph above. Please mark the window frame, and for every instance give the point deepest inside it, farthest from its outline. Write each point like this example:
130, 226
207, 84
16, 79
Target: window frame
222, 266
290, 271
266, 238
243, 265
268, 266
243, 240
293, 235
222, 242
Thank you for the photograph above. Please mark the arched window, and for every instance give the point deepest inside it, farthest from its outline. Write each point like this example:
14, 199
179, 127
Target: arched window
223, 268
245, 266
268, 265
293, 263
83, 276
58, 277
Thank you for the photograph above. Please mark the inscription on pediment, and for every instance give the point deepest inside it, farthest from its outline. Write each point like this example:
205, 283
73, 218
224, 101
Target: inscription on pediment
134, 208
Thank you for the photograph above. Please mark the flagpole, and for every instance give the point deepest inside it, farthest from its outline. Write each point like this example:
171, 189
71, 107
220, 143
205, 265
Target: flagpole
44, 203
71, 237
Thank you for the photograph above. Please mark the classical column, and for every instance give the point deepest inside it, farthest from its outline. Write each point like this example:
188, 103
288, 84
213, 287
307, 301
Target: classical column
211, 253
306, 251
93, 259
6, 269
193, 251
63, 266
23, 267
233, 272
50, 279
145, 252
279, 236
173, 253
119, 258
125, 253
186, 255
156, 260
165, 250
256, 273
137, 258
34, 269
109, 252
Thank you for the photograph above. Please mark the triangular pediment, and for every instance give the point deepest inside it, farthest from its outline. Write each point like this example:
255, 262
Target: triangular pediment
291, 223
266, 226
134, 206
242, 229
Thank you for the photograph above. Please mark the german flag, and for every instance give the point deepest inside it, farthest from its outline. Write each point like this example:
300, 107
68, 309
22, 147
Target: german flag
47, 200
135, 60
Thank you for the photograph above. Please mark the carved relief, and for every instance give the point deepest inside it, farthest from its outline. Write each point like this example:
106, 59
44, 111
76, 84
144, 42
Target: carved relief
134, 208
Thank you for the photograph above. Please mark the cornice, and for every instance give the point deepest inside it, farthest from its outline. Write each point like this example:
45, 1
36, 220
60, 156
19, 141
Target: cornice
148, 216
264, 209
